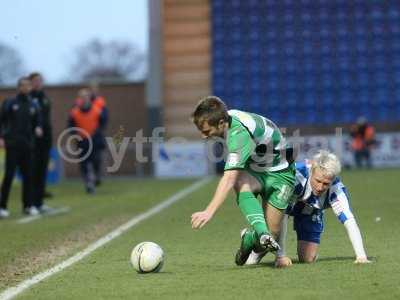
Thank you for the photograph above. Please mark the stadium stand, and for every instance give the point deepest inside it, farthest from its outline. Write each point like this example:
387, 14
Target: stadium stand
337, 58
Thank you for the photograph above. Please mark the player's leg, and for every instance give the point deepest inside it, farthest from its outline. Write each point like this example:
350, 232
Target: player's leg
308, 229
307, 251
278, 193
274, 218
247, 187
278, 189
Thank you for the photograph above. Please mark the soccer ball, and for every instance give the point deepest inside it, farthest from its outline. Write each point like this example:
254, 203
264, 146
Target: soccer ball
147, 257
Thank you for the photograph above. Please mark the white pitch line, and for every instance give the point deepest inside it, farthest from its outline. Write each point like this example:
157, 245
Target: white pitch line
14, 291
53, 212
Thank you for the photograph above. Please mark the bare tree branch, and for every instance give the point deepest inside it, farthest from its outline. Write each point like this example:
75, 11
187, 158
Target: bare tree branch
107, 61
11, 65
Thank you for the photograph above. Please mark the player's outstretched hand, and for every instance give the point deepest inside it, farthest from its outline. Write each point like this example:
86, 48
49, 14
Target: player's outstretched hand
199, 219
283, 262
362, 260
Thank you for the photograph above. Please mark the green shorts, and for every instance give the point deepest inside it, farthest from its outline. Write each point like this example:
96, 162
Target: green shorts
277, 187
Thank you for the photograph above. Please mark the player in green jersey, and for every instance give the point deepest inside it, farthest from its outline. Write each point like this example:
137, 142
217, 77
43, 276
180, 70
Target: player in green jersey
256, 164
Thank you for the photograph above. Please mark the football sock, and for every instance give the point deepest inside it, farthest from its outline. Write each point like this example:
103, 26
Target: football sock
252, 210
249, 239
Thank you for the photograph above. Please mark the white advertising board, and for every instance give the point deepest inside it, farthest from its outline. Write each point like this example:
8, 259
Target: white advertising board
181, 160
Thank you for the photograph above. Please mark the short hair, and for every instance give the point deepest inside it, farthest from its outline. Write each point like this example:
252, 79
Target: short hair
327, 162
34, 75
22, 79
211, 109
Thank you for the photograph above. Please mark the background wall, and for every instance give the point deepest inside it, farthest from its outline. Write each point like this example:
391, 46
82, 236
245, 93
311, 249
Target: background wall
128, 114
186, 44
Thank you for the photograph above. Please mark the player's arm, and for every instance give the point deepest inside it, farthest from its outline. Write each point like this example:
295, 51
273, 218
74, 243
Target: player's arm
240, 146
228, 180
341, 208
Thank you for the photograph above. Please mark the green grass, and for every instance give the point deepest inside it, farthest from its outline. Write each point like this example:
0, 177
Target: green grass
27, 248
199, 264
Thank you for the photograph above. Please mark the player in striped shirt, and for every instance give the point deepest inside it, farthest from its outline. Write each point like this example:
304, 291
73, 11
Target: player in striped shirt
317, 188
257, 164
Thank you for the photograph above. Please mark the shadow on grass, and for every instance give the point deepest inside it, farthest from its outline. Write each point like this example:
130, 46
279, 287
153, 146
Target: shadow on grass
165, 273
342, 258
271, 264
333, 258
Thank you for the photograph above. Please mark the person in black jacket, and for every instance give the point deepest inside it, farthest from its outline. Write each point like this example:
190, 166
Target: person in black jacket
43, 143
19, 123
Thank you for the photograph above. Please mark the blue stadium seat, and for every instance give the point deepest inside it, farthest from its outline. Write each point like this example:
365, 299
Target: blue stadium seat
299, 56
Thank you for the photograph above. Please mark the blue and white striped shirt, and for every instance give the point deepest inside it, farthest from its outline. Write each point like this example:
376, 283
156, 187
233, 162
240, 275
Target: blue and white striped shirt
336, 196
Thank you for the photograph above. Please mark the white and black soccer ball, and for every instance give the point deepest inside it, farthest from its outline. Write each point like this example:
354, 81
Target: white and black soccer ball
147, 257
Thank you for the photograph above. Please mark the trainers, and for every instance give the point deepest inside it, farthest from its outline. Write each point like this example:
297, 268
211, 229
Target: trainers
242, 254
4, 213
31, 211
255, 257
268, 243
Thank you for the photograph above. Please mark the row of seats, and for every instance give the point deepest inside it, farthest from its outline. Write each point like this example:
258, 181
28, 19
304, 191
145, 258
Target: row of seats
308, 61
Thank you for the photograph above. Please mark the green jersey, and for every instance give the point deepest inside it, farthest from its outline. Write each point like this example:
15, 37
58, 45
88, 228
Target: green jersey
254, 142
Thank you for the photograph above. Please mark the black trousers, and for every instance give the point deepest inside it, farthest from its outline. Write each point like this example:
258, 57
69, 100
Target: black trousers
97, 163
40, 165
90, 166
363, 156
20, 157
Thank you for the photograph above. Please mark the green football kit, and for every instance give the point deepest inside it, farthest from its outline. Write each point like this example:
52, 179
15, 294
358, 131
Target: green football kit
256, 145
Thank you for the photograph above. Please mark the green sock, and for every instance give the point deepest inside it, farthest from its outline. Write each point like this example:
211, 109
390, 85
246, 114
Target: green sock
249, 239
252, 210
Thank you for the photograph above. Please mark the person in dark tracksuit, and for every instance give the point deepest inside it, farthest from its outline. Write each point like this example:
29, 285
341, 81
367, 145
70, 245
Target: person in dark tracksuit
43, 143
19, 124
90, 121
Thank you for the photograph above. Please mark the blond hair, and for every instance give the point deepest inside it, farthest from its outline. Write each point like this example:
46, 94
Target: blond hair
327, 162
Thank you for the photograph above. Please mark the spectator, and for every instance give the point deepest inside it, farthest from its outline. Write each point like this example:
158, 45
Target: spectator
363, 135
98, 101
19, 123
42, 144
90, 120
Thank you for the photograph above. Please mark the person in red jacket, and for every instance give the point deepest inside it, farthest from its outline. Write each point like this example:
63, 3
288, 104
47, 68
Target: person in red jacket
90, 121
363, 141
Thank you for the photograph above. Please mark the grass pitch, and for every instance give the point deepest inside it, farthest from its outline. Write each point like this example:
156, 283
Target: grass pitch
199, 264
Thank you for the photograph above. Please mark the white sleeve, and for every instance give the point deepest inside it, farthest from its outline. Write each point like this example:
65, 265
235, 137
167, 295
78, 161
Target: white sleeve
340, 205
355, 237
282, 236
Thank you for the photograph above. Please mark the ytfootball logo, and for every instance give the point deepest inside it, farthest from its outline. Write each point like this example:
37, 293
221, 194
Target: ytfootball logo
68, 145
